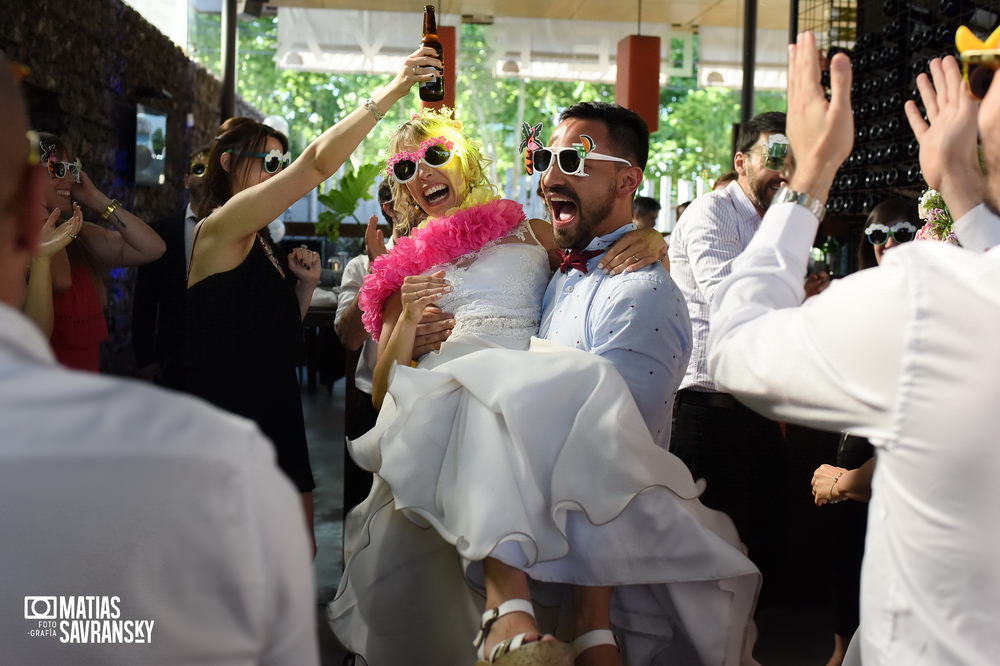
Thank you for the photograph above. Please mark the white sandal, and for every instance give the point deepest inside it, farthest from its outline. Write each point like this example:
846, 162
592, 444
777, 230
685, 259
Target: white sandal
593, 638
514, 651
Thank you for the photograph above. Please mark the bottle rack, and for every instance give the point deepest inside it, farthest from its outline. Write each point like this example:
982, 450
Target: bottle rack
894, 41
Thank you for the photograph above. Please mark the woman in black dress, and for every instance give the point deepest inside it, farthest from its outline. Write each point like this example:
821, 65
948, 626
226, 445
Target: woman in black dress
244, 313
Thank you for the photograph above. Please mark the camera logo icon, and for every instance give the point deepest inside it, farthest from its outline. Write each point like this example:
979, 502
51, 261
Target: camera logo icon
40, 608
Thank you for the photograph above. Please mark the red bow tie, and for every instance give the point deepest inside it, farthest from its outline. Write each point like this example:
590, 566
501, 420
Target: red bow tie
577, 259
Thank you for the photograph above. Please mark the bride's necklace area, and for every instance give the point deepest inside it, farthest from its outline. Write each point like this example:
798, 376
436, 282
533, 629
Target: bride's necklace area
270, 254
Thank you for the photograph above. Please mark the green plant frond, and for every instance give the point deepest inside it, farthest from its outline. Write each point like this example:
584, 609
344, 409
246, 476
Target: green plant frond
342, 199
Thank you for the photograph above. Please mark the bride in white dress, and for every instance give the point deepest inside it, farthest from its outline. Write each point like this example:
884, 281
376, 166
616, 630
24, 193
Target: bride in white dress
504, 451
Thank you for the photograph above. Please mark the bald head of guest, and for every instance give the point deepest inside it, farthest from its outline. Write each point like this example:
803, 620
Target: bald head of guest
20, 190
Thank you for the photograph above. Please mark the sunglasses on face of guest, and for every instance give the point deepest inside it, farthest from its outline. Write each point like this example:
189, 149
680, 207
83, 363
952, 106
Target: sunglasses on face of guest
435, 152
60, 169
569, 159
274, 161
879, 234
978, 67
775, 152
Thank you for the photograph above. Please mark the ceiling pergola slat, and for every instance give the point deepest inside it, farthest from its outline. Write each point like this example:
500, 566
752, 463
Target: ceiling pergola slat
771, 14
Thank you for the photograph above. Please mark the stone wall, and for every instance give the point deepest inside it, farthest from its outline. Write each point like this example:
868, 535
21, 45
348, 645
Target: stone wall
97, 60
92, 62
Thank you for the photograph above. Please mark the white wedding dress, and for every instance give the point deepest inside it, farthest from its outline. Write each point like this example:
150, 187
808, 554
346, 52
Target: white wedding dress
539, 458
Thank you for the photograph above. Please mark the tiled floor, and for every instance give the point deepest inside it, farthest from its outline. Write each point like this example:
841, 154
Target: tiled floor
795, 634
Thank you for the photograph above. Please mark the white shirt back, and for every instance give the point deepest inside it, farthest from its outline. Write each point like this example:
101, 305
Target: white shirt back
141, 514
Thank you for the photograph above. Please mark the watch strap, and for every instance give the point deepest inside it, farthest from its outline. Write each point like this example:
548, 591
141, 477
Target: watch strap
807, 201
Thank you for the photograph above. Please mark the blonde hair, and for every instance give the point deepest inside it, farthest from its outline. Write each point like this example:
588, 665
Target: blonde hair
468, 155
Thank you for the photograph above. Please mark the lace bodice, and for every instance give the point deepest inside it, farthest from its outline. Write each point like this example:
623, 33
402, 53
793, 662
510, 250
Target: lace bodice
498, 290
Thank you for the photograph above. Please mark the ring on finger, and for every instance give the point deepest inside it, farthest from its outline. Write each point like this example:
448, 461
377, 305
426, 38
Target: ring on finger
635, 258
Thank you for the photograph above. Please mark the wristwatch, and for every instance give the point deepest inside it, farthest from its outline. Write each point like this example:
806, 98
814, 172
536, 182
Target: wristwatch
809, 202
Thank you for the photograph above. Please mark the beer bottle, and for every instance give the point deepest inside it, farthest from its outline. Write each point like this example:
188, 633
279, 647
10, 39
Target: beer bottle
433, 90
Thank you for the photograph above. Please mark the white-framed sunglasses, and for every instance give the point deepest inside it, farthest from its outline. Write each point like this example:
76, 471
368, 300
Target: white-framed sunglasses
879, 234
273, 160
569, 159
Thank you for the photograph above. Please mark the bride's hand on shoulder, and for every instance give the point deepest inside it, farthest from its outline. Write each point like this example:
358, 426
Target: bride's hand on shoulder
636, 249
420, 291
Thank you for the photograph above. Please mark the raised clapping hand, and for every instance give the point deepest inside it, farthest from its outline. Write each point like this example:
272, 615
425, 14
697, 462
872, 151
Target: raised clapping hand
948, 151
304, 264
55, 238
420, 291
374, 239
821, 131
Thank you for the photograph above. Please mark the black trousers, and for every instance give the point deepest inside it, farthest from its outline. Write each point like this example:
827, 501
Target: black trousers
357, 482
850, 523
742, 457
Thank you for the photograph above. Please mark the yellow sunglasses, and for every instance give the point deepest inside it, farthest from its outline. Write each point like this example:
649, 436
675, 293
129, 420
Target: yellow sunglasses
978, 67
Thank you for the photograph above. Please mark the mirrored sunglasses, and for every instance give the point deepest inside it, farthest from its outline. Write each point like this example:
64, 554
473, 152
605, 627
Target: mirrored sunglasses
569, 160
60, 169
775, 152
978, 67
435, 152
273, 160
901, 232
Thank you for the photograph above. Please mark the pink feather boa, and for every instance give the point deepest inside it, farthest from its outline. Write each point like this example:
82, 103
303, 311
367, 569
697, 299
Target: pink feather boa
436, 243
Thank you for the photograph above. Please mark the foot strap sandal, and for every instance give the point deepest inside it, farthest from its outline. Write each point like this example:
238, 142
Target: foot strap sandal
494, 614
594, 638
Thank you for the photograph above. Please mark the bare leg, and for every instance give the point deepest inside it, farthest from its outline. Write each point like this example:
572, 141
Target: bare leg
307, 508
504, 582
839, 650
592, 610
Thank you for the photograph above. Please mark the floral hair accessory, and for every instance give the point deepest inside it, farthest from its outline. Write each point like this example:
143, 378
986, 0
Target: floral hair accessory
436, 243
938, 223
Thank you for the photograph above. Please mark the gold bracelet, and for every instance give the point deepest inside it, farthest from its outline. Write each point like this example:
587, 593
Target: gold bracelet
834, 485
369, 105
112, 207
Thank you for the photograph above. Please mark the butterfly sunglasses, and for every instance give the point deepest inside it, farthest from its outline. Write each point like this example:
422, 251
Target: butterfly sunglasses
569, 159
60, 169
435, 152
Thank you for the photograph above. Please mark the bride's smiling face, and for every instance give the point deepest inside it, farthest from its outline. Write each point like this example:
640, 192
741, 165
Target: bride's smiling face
437, 189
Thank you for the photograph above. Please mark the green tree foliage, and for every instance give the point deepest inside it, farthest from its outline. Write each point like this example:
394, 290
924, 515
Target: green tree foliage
694, 138
342, 201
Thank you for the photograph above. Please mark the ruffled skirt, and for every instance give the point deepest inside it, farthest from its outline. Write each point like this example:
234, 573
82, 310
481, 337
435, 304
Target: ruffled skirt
542, 460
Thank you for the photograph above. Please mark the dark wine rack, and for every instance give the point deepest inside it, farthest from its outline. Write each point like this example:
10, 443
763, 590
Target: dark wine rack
890, 43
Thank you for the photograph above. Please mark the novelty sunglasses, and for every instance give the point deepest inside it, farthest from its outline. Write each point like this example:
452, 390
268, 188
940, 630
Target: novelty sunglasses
273, 160
978, 67
879, 234
435, 152
60, 169
569, 160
